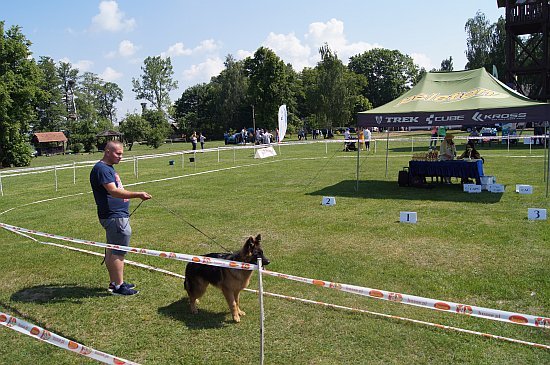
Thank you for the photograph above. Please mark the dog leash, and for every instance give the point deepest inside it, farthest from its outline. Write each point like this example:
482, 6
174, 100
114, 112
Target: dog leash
189, 223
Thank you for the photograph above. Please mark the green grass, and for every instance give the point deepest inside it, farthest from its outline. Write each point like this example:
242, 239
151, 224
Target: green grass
477, 249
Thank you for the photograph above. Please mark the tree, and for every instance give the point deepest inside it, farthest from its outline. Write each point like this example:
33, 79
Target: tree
447, 64
230, 100
135, 129
485, 43
269, 85
156, 82
389, 74
194, 109
109, 94
20, 79
50, 109
159, 129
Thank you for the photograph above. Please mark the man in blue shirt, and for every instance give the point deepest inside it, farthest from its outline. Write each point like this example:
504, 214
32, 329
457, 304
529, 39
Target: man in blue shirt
113, 203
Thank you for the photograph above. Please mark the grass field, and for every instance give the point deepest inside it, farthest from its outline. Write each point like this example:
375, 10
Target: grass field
476, 249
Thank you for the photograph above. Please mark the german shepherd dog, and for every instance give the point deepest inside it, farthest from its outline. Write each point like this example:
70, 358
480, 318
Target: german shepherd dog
230, 281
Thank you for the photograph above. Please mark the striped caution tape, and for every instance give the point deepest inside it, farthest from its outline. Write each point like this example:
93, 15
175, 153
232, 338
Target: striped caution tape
172, 255
328, 305
41, 334
470, 310
435, 304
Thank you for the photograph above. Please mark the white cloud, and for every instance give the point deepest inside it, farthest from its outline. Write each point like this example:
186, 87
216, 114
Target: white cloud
178, 49
242, 54
332, 33
290, 49
111, 19
305, 52
205, 70
81, 65
422, 60
126, 48
110, 75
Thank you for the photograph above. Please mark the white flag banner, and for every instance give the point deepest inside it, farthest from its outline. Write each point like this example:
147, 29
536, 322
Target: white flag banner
282, 122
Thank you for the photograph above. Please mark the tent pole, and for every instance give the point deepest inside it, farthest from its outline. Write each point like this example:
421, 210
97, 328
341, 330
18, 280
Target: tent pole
547, 171
387, 149
545, 150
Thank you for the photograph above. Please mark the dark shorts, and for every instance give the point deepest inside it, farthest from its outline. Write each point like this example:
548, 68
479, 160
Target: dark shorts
118, 232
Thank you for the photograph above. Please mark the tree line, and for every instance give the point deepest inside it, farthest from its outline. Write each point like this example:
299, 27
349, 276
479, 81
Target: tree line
42, 95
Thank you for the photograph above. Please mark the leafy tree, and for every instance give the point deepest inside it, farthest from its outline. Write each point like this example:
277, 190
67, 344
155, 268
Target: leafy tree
230, 100
156, 82
485, 43
447, 64
194, 109
20, 79
135, 129
159, 129
389, 74
270, 85
109, 93
51, 112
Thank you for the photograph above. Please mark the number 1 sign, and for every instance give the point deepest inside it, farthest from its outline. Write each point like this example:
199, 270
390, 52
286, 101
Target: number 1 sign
407, 217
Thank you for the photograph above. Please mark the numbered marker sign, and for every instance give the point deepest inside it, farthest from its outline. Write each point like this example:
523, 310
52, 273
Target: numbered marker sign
407, 217
524, 189
329, 201
536, 214
472, 188
496, 188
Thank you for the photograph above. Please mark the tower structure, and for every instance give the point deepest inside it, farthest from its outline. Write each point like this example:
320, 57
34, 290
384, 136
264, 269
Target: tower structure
527, 47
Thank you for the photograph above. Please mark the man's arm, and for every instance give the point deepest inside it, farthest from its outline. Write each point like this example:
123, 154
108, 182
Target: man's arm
125, 194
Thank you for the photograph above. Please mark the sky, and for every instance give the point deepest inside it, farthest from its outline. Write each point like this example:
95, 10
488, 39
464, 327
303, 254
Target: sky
112, 38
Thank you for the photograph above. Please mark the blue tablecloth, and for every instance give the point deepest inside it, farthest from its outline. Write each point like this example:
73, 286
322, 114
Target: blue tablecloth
455, 168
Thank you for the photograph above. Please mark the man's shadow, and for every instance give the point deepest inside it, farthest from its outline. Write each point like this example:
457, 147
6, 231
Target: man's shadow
205, 319
42, 294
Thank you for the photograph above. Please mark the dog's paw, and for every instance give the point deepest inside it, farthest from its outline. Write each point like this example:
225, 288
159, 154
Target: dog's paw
237, 319
242, 313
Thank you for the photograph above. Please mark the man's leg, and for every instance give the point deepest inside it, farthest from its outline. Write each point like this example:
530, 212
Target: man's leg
115, 267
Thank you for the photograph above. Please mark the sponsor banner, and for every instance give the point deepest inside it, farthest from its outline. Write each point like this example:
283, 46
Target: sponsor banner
436, 304
172, 255
454, 117
41, 334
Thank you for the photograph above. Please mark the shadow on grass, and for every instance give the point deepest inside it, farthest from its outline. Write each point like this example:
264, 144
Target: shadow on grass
378, 189
57, 293
203, 320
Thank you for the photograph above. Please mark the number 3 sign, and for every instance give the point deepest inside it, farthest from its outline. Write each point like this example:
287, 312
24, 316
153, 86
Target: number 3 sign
536, 214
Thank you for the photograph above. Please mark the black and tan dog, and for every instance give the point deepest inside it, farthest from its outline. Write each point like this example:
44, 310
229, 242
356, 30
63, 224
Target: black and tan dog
230, 281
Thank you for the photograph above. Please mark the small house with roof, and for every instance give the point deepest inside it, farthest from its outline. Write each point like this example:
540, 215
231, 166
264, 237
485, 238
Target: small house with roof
49, 143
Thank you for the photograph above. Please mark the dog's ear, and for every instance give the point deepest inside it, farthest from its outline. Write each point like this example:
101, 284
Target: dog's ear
258, 239
249, 244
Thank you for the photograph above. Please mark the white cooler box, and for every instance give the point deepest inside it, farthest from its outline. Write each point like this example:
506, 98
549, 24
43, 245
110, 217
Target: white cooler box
487, 180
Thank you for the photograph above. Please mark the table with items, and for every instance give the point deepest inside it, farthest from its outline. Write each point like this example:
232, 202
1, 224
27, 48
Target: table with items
464, 169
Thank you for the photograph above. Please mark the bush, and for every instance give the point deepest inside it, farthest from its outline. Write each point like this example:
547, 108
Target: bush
77, 147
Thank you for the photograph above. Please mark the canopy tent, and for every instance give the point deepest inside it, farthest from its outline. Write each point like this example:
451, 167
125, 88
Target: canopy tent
457, 97
472, 97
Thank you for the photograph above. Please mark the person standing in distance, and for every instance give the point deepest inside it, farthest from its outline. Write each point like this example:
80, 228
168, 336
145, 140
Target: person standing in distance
113, 202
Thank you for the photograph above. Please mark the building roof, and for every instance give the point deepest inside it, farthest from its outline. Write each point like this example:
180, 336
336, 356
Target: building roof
50, 137
108, 133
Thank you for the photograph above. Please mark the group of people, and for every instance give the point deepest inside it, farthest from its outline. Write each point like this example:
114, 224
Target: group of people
364, 137
201, 138
448, 150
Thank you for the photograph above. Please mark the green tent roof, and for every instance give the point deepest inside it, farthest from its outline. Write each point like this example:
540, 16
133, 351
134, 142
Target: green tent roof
458, 97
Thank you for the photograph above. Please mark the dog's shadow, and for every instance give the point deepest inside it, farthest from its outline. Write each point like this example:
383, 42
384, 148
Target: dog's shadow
205, 319
42, 294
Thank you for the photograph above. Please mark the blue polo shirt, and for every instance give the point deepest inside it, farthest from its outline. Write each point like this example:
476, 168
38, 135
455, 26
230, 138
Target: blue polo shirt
107, 205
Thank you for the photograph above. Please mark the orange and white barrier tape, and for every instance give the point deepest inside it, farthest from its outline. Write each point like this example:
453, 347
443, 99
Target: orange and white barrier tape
470, 310
41, 334
435, 304
328, 305
172, 255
